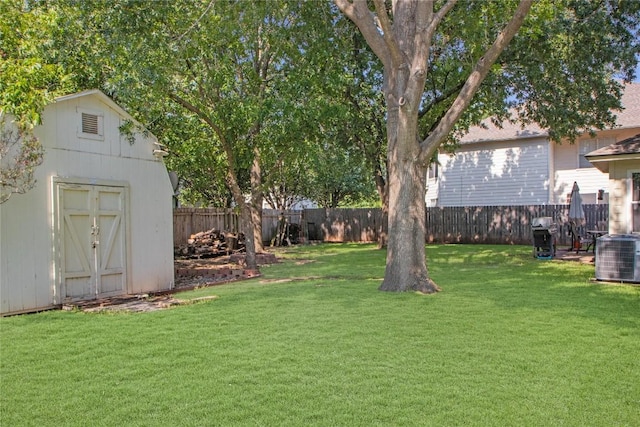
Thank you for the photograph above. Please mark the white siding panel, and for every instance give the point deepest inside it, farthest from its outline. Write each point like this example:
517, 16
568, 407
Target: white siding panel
590, 180
433, 187
486, 174
151, 229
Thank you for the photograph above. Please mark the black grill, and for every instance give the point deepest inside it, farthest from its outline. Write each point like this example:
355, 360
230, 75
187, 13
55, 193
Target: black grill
544, 240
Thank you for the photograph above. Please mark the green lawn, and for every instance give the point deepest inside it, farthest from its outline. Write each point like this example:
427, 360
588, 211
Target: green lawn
510, 341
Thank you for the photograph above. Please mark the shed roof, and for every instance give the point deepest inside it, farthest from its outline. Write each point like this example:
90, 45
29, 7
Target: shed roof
98, 93
106, 100
487, 131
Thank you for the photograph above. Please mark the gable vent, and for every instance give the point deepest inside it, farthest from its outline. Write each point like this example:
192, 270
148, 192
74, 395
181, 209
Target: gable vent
90, 123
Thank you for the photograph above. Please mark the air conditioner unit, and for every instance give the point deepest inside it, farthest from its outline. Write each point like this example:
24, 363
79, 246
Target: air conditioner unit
618, 258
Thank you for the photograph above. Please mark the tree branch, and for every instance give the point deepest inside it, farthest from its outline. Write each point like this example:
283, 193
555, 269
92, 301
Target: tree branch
439, 16
426, 24
471, 86
200, 113
358, 12
387, 35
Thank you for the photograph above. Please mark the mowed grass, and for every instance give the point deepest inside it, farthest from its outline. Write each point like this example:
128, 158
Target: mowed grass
509, 341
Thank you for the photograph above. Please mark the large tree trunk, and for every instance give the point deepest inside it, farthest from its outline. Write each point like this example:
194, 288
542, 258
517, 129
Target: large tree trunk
406, 261
256, 201
250, 246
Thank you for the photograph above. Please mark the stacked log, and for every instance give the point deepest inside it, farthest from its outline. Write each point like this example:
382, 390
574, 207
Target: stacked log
211, 243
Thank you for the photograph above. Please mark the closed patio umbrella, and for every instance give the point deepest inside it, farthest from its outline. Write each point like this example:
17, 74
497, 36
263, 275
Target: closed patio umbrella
576, 212
576, 217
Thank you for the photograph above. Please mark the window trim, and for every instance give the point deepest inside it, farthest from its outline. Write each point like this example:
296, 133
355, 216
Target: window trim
597, 144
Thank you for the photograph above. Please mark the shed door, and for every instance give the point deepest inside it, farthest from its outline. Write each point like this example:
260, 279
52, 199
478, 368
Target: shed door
92, 239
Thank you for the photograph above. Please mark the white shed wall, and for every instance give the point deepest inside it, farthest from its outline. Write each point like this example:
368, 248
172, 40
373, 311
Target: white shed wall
27, 248
26, 261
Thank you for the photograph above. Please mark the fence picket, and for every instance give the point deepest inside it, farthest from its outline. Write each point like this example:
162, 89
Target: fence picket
472, 224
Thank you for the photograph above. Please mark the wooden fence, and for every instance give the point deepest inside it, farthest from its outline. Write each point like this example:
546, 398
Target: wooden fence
271, 218
188, 221
480, 224
344, 225
504, 224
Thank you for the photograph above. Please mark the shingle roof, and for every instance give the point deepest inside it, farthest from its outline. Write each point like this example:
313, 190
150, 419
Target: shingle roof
626, 146
628, 117
488, 131
627, 149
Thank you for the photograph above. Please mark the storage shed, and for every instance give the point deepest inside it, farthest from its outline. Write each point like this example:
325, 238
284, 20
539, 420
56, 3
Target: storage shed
98, 223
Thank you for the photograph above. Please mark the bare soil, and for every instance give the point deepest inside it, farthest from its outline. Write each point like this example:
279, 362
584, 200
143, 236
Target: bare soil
190, 273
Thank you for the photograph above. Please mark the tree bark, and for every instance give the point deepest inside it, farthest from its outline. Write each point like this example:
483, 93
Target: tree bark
250, 246
256, 201
406, 261
383, 192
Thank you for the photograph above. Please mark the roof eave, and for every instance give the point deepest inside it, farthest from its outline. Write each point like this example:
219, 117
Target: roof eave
515, 138
602, 162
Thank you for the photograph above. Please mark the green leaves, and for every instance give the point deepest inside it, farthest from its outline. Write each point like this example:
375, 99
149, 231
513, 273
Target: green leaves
29, 78
561, 67
20, 154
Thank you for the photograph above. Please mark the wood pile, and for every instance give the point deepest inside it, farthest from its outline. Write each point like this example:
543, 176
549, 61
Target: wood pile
211, 243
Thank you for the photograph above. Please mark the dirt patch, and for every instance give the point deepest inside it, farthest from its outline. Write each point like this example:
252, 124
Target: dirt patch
189, 274
135, 304
207, 271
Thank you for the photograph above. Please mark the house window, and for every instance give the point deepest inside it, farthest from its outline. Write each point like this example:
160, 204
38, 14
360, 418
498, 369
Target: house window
91, 124
635, 201
432, 172
588, 145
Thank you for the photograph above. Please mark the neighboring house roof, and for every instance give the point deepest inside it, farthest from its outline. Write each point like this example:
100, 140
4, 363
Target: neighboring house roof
508, 131
630, 115
488, 131
627, 149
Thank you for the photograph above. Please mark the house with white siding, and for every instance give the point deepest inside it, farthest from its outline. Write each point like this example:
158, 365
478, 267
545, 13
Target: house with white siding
512, 165
98, 222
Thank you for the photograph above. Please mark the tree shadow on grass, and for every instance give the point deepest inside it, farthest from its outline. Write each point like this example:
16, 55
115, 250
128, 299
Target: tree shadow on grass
512, 279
